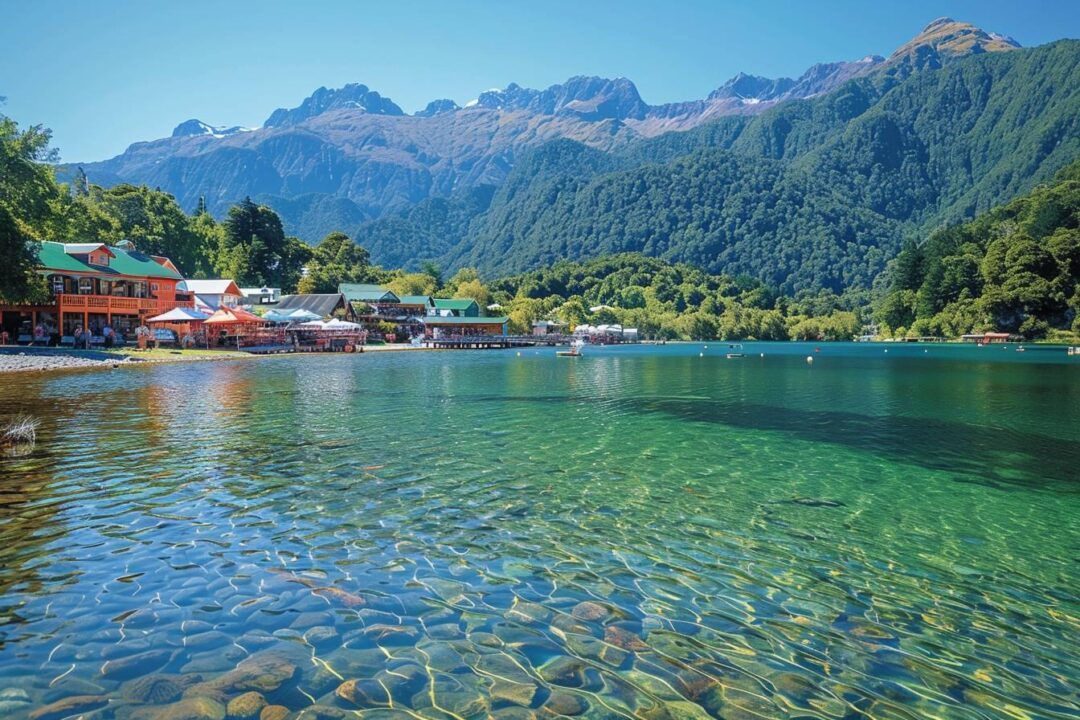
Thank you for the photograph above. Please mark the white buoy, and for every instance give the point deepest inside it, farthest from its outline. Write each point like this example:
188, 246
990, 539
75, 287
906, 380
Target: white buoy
701, 354
519, 353
886, 349
762, 354
809, 359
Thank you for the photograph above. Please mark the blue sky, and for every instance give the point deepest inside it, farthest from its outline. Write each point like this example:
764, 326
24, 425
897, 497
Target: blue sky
105, 74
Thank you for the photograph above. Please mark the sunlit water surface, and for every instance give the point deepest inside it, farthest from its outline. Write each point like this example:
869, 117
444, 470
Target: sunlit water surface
641, 532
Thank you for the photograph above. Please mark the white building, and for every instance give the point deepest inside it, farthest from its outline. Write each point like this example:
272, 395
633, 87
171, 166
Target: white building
261, 296
213, 294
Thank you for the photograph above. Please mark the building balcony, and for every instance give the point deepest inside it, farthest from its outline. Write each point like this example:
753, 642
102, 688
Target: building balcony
124, 305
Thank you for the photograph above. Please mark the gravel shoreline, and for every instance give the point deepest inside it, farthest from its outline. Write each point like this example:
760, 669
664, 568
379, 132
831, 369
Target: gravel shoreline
17, 362
41, 360
11, 362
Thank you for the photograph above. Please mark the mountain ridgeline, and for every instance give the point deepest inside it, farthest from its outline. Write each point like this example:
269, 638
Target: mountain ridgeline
811, 194
803, 183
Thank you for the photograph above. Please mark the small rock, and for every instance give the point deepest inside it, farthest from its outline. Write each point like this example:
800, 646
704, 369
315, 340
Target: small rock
561, 703
72, 705
517, 693
364, 693
589, 610
392, 635
134, 666
563, 670
14, 694
323, 712
245, 707
193, 708
264, 673
307, 620
321, 636
624, 639
340, 596
207, 640
155, 689
274, 712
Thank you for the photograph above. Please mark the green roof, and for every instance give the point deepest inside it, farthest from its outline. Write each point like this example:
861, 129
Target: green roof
458, 320
361, 292
54, 256
415, 299
453, 303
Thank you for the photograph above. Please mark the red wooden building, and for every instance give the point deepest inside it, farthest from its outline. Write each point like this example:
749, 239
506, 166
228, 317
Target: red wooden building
94, 285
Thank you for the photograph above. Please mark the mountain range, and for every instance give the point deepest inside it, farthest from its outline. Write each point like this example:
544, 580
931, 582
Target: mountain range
449, 183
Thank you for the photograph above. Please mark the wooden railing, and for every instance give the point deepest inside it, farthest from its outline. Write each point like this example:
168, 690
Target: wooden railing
108, 303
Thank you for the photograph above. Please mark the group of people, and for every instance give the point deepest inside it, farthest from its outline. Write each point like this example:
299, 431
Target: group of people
83, 338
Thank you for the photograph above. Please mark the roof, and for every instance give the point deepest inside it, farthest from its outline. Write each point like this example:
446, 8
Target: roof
415, 300
454, 303
321, 305
179, 314
458, 320
212, 287
362, 292
85, 248
258, 291
548, 323
59, 257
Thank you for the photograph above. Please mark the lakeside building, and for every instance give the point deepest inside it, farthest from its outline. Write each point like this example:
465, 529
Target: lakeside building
991, 337
326, 305
261, 296
547, 327
211, 295
94, 285
421, 315
439, 326
455, 307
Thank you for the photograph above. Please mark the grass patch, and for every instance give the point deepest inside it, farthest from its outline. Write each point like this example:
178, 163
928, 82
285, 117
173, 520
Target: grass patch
175, 354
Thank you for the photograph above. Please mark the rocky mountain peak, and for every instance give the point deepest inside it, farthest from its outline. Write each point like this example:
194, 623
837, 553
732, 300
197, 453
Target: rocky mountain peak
752, 88
437, 107
946, 39
193, 128
588, 97
353, 96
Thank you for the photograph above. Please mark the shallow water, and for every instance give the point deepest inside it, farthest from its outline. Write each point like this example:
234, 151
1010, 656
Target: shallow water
641, 532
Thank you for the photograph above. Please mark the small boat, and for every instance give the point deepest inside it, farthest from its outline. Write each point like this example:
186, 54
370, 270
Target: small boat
574, 351
737, 354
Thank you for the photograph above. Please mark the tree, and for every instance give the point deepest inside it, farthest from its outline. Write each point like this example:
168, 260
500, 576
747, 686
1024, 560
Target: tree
336, 259
413, 284
28, 199
255, 251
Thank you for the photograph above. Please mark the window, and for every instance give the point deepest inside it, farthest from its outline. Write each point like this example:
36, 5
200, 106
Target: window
57, 285
154, 287
140, 289
86, 286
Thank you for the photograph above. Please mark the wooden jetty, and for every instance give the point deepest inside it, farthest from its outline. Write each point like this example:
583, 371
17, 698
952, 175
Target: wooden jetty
497, 342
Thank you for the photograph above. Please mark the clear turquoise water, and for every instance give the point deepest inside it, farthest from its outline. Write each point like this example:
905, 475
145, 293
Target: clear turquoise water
641, 532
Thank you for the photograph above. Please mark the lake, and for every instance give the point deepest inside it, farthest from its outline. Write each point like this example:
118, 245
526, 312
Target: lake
657, 532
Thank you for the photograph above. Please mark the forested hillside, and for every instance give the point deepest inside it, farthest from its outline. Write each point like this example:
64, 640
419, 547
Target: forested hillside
1016, 268
811, 194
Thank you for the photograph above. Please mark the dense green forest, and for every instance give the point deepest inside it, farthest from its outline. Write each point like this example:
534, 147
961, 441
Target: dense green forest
808, 195
1015, 268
